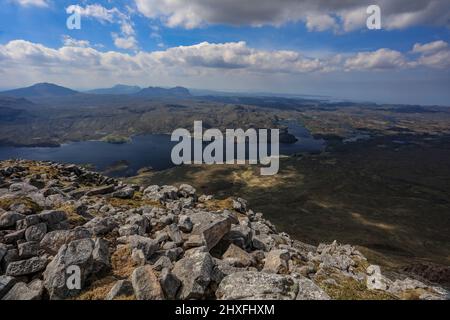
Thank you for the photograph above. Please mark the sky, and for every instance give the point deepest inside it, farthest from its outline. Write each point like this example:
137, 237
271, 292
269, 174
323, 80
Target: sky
304, 47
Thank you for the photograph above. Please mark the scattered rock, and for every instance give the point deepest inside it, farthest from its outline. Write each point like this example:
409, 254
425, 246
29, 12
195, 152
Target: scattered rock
22, 291
26, 267
308, 290
237, 257
9, 219
169, 284
277, 261
145, 284
122, 288
194, 272
253, 285
36, 232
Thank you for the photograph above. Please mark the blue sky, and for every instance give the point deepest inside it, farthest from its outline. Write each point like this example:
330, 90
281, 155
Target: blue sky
286, 46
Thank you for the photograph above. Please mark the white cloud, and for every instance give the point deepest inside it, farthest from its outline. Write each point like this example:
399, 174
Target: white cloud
317, 14
430, 47
434, 54
76, 62
95, 11
113, 15
68, 41
32, 3
124, 42
381, 59
320, 22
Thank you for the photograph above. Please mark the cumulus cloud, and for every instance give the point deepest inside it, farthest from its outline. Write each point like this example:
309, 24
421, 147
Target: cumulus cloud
381, 59
96, 11
434, 54
32, 3
430, 47
20, 59
319, 15
124, 42
68, 41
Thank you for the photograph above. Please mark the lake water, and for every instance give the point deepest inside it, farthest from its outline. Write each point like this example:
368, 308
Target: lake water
151, 150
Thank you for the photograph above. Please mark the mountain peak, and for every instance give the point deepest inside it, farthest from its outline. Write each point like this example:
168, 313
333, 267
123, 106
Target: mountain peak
38, 90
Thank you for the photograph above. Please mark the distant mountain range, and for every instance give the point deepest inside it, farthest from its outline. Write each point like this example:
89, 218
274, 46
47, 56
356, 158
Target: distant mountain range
117, 89
40, 90
50, 90
151, 92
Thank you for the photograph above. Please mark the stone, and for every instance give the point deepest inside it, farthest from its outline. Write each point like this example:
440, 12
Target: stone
36, 232
9, 219
214, 232
277, 261
100, 190
169, 284
28, 249
239, 235
195, 273
10, 256
3, 251
100, 226
26, 267
175, 234
237, 257
101, 255
22, 187
138, 257
77, 253
128, 230
28, 221
145, 284
174, 254
147, 245
6, 283
14, 236
125, 193
375, 280
253, 285
308, 290
240, 205
263, 243
139, 222
54, 240
193, 241
52, 216
122, 288
186, 190
22, 291
162, 263
185, 223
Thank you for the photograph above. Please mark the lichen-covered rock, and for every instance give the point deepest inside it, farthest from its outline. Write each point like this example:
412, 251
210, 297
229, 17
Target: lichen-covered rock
253, 285
87, 254
145, 284
22, 291
237, 257
9, 219
308, 290
277, 261
195, 273
6, 283
26, 267
36, 232
122, 288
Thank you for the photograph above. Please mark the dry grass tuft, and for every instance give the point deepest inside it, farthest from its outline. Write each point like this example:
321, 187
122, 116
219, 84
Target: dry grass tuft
122, 263
98, 290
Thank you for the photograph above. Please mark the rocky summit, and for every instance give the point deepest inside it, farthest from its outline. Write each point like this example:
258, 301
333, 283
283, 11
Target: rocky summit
70, 233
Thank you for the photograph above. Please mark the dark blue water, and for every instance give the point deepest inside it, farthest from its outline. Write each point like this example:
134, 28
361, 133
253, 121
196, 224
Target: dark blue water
143, 151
